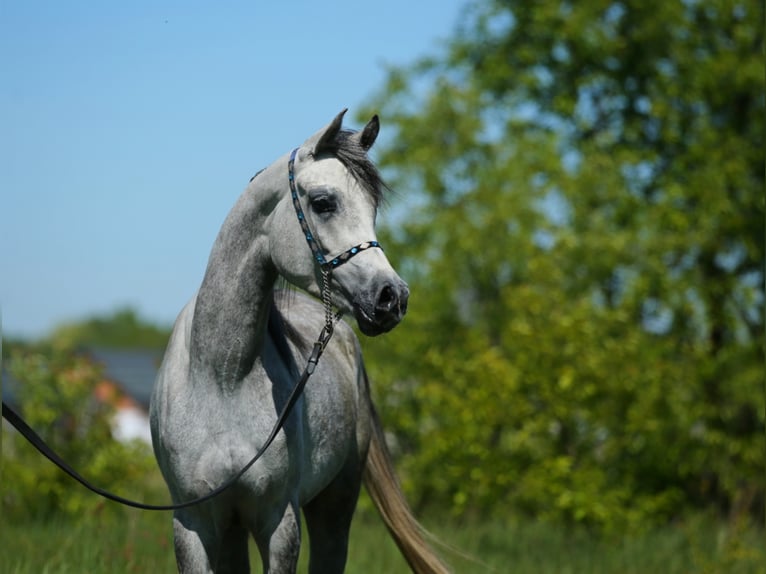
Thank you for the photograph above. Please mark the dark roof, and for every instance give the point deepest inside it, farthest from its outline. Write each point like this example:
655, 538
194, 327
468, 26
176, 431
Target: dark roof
134, 370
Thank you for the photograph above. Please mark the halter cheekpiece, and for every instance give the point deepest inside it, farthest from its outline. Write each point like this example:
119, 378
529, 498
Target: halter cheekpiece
310, 239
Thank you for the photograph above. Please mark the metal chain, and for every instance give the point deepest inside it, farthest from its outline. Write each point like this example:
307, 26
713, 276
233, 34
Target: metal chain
330, 317
327, 297
319, 346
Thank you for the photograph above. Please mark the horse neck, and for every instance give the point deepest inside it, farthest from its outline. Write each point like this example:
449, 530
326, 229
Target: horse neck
233, 302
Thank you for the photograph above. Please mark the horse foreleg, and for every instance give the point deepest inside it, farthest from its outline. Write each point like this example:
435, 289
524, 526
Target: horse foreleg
280, 550
191, 555
202, 549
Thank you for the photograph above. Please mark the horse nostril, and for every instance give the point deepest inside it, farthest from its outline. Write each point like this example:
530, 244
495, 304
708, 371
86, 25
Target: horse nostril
387, 299
392, 301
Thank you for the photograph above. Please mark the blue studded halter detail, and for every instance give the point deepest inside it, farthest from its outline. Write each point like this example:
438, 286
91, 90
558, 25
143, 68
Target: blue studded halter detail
324, 264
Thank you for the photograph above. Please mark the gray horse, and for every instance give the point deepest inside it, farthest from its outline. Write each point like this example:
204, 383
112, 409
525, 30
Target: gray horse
236, 352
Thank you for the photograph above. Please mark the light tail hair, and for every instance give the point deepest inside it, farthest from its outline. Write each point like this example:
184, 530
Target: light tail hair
383, 487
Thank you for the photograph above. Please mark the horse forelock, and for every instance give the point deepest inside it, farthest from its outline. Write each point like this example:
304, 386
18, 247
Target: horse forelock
354, 158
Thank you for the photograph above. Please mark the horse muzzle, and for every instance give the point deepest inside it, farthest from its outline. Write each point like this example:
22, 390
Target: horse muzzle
381, 309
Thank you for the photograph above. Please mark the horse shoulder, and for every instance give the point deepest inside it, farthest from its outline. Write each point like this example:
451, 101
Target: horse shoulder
171, 383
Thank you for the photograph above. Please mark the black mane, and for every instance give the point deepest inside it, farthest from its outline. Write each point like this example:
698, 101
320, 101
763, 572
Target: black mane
354, 157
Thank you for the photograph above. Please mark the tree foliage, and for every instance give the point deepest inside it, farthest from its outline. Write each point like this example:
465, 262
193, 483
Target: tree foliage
56, 389
582, 227
124, 329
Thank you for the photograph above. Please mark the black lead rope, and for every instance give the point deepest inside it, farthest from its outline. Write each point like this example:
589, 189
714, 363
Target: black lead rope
326, 268
28, 433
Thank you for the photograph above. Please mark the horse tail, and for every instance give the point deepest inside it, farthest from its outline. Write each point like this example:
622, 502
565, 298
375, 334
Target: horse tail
386, 493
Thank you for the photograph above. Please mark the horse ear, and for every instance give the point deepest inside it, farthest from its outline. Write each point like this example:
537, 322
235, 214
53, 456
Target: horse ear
367, 136
322, 139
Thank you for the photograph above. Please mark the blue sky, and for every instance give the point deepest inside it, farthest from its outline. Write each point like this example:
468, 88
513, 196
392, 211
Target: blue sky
130, 128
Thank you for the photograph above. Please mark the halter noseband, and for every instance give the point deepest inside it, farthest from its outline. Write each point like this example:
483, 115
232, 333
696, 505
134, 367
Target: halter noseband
324, 264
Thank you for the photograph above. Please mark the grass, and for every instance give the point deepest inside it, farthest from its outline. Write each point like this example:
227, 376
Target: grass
135, 541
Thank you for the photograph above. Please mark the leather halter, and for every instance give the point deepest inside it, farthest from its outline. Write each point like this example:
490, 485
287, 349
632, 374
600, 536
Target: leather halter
310, 238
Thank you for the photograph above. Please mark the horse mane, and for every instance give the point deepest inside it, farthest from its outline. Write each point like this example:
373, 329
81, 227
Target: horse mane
354, 158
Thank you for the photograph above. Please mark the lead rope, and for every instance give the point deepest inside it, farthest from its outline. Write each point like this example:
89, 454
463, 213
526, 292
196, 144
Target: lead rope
35, 440
319, 346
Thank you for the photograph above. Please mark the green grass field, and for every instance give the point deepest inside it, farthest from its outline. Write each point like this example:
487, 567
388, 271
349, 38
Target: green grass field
134, 541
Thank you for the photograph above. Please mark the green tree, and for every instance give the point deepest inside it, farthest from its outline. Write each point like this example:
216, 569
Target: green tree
582, 226
56, 391
123, 328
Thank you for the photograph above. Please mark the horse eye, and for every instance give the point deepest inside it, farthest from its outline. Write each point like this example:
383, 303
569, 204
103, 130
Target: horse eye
324, 204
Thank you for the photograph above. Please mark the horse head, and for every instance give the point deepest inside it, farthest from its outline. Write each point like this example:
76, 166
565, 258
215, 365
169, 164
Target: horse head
325, 224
